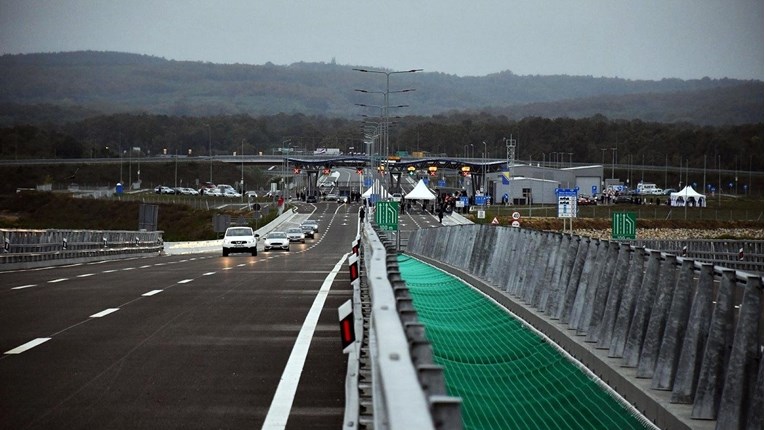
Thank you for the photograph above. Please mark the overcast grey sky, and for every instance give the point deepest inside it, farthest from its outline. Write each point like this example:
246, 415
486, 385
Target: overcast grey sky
638, 39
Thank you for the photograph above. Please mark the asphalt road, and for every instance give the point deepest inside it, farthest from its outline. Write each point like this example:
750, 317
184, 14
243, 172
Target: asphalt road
192, 342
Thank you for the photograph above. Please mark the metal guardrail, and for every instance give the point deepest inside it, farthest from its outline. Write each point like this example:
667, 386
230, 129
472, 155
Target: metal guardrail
746, 255
24, 248
402, 388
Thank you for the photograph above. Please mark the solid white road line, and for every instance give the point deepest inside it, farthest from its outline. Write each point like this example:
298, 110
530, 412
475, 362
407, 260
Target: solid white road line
281, 405
29, 345
104, 312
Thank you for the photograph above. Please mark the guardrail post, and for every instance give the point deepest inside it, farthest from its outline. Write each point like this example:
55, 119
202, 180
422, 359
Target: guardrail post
695, 338
551, 286
639, 323
596, 256
574, 280
597, 306
627, 305
719, 343
604, 330
745, 359
658, 320
672, 341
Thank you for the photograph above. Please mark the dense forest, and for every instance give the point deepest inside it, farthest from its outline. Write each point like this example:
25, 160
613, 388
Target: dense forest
586, 140
65, 87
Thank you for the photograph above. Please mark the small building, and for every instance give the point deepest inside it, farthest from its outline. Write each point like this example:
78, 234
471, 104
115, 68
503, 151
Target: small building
528, 184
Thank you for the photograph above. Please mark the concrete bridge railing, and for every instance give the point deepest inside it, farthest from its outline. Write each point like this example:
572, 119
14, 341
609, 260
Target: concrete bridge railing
672, 325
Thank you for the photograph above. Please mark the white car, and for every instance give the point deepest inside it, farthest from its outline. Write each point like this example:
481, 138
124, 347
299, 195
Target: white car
240, 239
231, 193
296, 235
276, 240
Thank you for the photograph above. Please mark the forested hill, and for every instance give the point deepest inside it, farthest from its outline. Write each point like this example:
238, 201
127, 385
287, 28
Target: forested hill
61, 87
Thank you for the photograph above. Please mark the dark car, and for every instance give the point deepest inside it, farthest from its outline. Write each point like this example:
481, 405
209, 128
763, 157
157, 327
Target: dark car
310, 199
308, 231
623, 199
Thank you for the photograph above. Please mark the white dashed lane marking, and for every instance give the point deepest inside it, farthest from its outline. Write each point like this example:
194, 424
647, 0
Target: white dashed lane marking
29, 345
104, 312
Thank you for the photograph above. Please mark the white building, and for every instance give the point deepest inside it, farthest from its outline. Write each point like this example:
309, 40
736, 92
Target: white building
526, 184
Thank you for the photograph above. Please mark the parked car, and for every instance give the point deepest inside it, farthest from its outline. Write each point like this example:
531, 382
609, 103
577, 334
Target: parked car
296, 234
252, 194
586, 201
313, 224
240, 239
161, 189
331, 197
396, 197
307, 231
276, 240
669, 191
231, 193
310, 199
623, 199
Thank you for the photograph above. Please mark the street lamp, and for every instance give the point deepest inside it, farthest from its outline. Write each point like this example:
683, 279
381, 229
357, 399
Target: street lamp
387, 93
484, 167
209, 140
242, 182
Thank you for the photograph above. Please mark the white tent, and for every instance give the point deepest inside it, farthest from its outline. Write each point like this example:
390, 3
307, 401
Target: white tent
688, 197
373, 188
420, 192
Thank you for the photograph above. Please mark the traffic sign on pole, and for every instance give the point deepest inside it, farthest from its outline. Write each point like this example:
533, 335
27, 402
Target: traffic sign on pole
386, 215
623, 225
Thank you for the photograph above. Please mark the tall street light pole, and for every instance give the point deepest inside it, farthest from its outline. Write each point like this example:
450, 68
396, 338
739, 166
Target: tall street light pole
209, 141
484, 167
387, 94
242, 181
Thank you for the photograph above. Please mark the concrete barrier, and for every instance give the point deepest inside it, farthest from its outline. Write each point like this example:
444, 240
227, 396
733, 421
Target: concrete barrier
680, 339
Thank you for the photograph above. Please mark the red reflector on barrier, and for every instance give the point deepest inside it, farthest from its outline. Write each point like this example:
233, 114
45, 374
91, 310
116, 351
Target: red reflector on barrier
353, 267
347, 330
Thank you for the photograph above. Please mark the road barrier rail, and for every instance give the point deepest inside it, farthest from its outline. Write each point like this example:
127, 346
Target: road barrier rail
27, 248
746, 255
393, 380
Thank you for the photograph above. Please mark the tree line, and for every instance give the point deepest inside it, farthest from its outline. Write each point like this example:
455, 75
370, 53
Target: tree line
595, 139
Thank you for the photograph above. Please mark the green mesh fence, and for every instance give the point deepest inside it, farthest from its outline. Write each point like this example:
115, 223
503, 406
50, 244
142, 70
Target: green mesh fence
507, 376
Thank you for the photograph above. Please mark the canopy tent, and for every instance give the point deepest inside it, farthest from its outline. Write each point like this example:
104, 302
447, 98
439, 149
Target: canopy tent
688, 197
375, 187
420, 192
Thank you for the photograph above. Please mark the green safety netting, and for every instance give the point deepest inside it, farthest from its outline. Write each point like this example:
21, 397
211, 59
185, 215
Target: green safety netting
507, 376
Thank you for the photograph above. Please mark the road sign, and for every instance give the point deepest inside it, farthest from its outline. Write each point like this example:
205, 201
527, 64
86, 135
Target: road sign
516, 215
567, 202
623, 225
386, 215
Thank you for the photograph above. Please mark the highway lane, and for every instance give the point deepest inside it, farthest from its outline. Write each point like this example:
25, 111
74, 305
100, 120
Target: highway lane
197, 341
